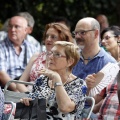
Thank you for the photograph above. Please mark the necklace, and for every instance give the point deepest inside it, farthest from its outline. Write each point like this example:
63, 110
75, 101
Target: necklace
89, 58
67, 79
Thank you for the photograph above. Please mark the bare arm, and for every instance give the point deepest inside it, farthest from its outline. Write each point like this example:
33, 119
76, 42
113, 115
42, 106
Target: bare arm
97, 106
26, 74
4, 78
64, 102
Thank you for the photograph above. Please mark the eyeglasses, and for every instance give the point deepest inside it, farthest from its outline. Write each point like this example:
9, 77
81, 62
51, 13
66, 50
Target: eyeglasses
53, 37
108, 37
55, 54
81, 32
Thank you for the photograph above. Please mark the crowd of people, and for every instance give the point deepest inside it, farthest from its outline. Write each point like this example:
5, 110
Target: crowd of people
68, 69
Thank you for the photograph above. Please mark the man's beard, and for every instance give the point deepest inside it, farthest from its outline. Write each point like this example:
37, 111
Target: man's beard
80, 43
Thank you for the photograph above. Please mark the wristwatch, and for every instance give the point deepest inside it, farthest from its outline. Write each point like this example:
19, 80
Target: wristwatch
58, 84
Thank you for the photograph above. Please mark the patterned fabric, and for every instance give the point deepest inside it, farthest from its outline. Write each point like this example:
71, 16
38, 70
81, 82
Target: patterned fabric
110, 109
12, 63
3, 35
1, 103
99, 61
76, 90
39, 64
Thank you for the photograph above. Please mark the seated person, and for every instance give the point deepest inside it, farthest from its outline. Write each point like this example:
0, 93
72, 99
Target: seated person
15, 51
58, 85
110, 108
53, 32
110, 40
103, 21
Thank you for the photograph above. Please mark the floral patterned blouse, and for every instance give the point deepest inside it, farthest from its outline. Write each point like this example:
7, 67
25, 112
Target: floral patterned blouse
76, 90
38, 64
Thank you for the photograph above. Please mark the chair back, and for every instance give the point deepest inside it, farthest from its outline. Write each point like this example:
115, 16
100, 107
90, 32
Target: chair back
86, 113
12, 95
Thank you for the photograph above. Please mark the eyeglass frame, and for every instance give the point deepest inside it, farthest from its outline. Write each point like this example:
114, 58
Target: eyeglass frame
81, 32
55, 54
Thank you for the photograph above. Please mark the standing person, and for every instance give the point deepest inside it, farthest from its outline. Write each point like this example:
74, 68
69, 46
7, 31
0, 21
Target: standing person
103, 21
93, 58
53, 32
15, 51
31, 23
63, 91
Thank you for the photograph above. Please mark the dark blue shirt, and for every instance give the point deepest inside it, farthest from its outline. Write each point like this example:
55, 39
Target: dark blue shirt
94, 65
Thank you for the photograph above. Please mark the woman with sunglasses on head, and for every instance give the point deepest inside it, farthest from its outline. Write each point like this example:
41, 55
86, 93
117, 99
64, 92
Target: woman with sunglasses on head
53, 32
63, 91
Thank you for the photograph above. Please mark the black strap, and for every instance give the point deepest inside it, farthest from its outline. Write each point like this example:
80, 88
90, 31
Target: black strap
25, 55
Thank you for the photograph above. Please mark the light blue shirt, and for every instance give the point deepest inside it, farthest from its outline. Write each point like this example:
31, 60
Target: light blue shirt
12, 63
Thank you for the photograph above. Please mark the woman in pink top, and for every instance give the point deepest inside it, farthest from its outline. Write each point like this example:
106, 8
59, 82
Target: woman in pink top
53, 32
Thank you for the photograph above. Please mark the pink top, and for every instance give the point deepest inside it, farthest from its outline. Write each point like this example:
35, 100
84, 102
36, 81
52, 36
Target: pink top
38, 64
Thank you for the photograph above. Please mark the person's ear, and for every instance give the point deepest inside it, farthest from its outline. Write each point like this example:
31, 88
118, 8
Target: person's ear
70, 62
96, 33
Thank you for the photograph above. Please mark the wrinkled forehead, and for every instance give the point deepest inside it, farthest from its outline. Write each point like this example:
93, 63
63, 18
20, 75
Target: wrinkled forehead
18, 20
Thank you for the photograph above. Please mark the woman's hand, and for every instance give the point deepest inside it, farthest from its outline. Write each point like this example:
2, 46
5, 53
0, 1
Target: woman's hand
54, 76
25, 101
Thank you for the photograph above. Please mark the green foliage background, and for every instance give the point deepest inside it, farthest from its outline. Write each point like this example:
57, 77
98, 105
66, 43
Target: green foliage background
44, 11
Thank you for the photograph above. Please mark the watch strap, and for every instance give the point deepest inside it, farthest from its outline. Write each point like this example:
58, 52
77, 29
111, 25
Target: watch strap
58, 84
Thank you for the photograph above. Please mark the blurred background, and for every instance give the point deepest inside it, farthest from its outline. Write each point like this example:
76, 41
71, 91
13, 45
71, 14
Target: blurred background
45, 11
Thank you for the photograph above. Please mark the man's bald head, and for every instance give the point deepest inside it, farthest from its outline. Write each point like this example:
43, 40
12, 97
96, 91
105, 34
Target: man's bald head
90, 22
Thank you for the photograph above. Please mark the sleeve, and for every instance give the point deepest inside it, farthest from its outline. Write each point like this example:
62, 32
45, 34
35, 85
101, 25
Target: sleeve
79, 95
3, 65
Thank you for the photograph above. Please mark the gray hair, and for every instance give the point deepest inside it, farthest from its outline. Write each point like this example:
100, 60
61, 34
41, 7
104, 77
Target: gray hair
28, 17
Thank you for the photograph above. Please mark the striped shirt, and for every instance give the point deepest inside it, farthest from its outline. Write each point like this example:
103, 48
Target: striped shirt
12, 63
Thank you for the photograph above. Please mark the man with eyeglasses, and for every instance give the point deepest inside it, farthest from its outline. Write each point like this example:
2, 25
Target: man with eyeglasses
93, 57
15, 51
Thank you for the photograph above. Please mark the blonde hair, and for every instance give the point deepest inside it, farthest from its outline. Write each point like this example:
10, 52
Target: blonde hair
71, 51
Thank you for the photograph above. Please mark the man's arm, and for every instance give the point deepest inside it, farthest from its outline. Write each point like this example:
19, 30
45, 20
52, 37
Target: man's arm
4, 78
